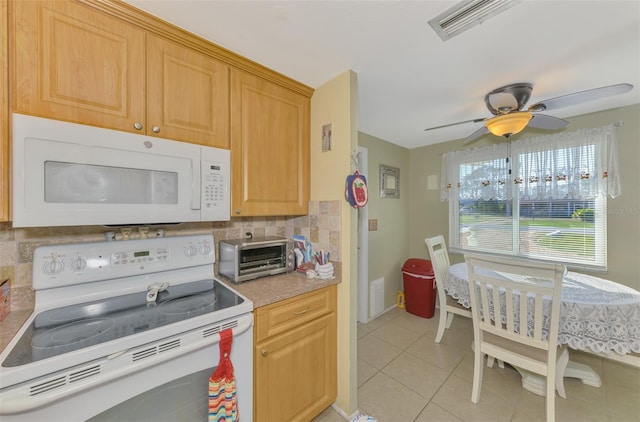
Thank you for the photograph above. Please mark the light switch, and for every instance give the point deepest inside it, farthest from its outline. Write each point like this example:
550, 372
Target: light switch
373, 225
432, 182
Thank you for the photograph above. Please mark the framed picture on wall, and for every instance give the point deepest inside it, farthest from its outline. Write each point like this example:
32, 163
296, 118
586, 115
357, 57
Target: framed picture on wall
326, 137
389, 182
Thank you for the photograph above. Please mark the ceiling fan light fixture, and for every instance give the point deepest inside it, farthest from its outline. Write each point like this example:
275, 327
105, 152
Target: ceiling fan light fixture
508, 98
508, 124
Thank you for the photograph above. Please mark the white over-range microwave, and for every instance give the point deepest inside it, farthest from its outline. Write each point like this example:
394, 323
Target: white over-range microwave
67, 174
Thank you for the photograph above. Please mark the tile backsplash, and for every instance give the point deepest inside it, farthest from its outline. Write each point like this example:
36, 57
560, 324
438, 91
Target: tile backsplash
322, 227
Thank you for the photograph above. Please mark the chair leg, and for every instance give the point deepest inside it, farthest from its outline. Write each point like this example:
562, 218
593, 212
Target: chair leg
449, 320
442, 322
491, 359
561, 365
550, 400
478, 365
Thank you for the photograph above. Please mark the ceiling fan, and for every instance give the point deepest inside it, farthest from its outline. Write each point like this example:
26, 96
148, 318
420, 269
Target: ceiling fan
510, 117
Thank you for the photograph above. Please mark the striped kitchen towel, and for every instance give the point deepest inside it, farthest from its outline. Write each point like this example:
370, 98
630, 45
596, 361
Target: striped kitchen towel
223, 401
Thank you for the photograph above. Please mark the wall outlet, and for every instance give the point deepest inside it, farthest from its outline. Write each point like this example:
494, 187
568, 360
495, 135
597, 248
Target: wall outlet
373, 224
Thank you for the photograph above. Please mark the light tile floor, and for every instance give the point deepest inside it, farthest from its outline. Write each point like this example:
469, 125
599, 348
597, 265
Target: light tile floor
403, 376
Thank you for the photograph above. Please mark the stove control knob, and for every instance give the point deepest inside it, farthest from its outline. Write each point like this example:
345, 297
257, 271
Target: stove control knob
190, 251
53, 267
79, 264
205, 249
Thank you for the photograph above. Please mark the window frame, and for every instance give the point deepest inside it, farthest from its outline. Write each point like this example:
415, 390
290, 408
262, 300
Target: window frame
600, 228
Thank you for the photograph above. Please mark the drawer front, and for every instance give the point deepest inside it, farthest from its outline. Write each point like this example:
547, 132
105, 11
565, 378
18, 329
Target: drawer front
291, 313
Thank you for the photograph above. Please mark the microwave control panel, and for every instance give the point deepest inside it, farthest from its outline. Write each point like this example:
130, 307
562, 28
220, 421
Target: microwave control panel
215, 180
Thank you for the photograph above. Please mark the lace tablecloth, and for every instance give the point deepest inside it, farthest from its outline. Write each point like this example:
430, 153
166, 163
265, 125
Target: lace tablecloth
595, 315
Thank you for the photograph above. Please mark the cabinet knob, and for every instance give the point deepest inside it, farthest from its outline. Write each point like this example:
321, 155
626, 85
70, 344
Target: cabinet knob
237, 210
264, 353
156, 129
137, 125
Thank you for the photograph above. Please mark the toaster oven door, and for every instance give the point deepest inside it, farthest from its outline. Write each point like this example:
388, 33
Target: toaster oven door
264, 259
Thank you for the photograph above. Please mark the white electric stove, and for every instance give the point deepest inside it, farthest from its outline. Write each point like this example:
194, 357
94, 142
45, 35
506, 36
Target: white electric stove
125, 330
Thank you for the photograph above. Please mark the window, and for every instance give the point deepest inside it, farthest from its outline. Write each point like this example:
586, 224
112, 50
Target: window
539, 198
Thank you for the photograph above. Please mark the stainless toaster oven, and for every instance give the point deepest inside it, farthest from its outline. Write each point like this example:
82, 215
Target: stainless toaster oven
249, 258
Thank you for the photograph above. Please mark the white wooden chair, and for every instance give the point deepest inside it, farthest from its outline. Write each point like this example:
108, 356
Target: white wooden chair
528, 295
448, 305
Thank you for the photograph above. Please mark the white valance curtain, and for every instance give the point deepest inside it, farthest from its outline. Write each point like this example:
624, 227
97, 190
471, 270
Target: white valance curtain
479, 173
581, 164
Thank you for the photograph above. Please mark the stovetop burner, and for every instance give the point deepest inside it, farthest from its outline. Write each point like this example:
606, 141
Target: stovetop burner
62, 330
187, 305
75, 332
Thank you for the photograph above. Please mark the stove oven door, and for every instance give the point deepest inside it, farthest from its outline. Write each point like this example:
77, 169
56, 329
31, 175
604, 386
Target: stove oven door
167, 381
183, 399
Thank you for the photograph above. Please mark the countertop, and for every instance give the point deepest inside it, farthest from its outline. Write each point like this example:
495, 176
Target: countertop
11, 324
261, 291
266, 290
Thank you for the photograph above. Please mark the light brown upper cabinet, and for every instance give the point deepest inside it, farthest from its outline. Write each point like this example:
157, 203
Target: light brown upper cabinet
75, 63
4, 113
187, 94
269, 148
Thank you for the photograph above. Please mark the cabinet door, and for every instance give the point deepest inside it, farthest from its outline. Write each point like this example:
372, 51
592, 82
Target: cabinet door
4, 114
188, 94
76, 64
269, 148
296, 375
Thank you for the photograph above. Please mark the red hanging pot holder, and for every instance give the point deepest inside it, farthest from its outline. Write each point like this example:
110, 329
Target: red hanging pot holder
355, 191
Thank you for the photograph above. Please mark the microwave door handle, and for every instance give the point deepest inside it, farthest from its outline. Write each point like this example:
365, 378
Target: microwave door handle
196, 172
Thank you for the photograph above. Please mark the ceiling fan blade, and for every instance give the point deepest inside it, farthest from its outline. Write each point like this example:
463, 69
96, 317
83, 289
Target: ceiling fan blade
542, 121
457, 123
581, 97
475, 135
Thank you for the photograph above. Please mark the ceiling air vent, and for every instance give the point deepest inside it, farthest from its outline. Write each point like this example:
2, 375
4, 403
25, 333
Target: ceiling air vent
467, 14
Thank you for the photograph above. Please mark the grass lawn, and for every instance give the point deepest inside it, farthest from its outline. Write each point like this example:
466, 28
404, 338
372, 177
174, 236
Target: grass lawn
556, 222
567, 243
583, 245
527, 222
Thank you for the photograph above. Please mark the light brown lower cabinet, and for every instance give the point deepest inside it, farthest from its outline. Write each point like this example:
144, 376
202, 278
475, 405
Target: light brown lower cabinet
295, 357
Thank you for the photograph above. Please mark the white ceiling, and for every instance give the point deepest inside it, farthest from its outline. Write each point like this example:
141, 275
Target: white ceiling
408, 78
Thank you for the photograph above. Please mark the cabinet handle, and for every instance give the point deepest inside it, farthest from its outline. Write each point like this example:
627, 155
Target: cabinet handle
264, 353
304, 311
156, 129
137, 125
237, 210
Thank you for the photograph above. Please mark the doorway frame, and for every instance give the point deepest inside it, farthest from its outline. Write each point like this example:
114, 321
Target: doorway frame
363, 245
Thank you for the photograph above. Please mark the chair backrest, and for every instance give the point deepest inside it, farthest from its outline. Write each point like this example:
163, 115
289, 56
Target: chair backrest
439, 259
528, 294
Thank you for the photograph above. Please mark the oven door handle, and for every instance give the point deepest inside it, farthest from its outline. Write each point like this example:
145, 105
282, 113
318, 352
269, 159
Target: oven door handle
112, 367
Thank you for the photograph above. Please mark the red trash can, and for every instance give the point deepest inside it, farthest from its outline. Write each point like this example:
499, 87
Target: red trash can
419, 287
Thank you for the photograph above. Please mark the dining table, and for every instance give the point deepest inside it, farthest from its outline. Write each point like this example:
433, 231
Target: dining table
596, 315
